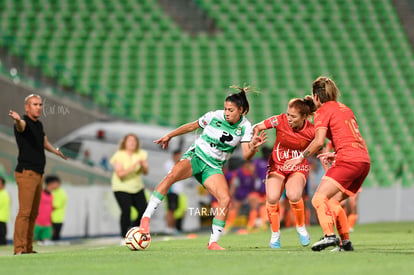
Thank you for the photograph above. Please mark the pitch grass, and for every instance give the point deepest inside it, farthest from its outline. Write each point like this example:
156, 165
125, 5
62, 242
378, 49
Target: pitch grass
384, 248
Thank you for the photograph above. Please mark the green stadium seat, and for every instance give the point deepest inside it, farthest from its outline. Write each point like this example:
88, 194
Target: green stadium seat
131, 46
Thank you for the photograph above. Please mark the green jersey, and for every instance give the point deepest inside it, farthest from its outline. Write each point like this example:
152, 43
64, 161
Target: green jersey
220, 138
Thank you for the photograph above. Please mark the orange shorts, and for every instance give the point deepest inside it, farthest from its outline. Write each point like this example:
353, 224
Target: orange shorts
348, 176
286, 174
279, 169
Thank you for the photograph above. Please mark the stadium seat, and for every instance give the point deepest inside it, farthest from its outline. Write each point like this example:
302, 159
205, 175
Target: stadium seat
136, 51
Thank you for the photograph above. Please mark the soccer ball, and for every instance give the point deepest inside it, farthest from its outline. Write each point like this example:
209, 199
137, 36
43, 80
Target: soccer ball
136, 240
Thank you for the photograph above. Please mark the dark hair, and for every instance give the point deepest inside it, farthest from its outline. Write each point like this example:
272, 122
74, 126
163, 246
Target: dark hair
325, 89
306, 106
3, 181
51, 178
240, 99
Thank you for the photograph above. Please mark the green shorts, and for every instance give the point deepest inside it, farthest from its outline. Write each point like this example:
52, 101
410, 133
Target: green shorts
42, 233
201, 170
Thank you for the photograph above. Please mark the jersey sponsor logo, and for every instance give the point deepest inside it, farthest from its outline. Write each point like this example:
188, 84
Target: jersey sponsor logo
226, 137
274, 122
283, 154
238, 132
218, 124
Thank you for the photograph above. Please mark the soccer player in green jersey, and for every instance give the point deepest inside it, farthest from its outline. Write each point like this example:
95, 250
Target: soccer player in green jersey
223, 130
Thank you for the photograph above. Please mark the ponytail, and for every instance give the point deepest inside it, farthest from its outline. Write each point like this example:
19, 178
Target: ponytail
240, 99
305, 106
308, 100
325, 89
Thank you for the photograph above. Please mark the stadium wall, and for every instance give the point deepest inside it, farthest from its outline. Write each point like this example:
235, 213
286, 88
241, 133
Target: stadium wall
60, 114
92, 211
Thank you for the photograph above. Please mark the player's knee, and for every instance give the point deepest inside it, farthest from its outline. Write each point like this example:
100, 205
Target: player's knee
272, 199
170, 178
224, 200
318, 199
294, 196
335, 205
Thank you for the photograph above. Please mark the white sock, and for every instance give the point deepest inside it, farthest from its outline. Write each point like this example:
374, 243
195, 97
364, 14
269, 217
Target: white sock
217, 230
302, 230
275, 236
153, 203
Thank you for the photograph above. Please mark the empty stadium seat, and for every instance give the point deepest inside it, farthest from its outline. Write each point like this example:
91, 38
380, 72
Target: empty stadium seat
132, 57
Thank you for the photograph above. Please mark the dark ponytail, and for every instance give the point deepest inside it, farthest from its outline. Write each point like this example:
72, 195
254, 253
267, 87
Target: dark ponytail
305, 106
240, 99
309, 102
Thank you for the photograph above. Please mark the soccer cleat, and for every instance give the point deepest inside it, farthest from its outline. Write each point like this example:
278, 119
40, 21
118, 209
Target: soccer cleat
344, 247
325, 242
275, 244
144, 226
304, 239
214, 246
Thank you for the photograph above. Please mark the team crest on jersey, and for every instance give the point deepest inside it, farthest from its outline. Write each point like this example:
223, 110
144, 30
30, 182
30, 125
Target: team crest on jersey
238, 132
274, 122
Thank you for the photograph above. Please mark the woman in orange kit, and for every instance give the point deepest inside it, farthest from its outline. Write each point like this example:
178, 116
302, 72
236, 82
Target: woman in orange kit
294, 132
335, 121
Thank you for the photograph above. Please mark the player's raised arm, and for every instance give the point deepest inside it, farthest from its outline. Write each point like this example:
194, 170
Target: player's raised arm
184, 129
251, 148
258, 127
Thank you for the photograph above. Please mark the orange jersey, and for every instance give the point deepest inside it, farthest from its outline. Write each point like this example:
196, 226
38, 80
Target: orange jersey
289, 143
343, 131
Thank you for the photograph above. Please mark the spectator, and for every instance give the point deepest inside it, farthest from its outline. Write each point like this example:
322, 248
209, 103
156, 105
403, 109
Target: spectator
43, 227
243, 191
4, 211
129, 162
261, 165
59, 208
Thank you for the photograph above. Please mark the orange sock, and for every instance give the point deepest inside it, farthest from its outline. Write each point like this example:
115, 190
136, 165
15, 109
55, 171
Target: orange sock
273, 214
352, 218
263, 214
344, 207
298, 209
325, 217
230, 218
340, 218
252, 218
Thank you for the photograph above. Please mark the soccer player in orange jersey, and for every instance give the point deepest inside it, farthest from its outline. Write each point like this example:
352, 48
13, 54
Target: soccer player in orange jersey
335, 121
294, 132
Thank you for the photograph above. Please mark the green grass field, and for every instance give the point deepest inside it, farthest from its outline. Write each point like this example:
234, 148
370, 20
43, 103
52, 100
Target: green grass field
384, 248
